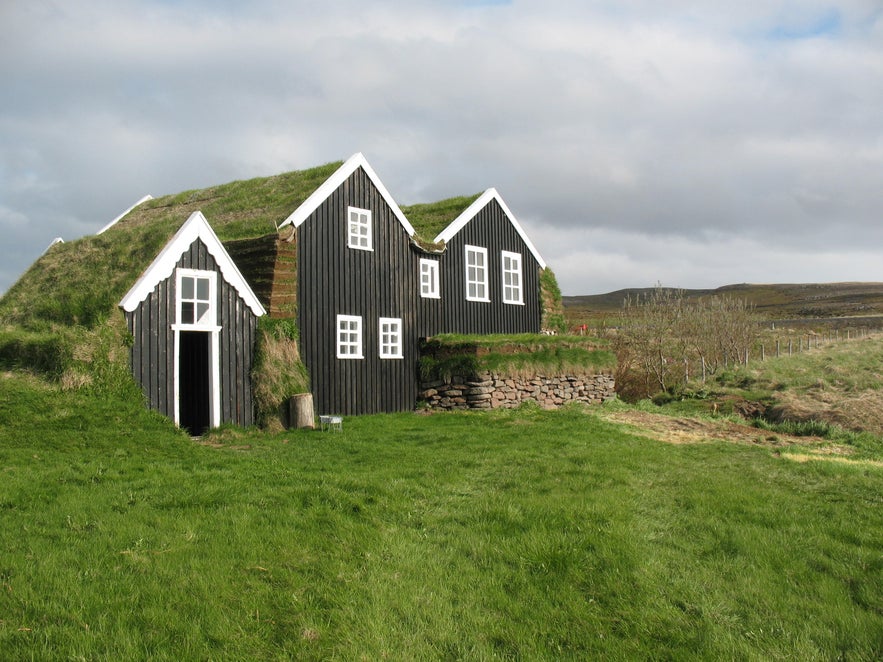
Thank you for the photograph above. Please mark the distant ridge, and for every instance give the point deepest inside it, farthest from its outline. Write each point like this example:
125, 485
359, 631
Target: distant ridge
774, 301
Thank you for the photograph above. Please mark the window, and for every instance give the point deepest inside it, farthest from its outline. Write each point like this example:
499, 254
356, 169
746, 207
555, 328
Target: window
359, 233
512, 290
196, 294
390, 338
476, 274
349, 337
429, 279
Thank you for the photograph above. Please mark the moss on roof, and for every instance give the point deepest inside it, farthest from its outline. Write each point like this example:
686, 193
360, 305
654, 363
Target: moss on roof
238, 210
429, 219
82, 281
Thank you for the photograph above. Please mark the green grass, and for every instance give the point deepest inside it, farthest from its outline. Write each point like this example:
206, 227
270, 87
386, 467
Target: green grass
88, 277
514, 535
524, 354
429, 219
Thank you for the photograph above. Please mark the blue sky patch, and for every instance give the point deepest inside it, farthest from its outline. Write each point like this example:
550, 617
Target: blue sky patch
810, 27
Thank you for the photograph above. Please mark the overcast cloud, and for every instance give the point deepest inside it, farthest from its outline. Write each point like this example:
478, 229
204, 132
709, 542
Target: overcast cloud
692, 143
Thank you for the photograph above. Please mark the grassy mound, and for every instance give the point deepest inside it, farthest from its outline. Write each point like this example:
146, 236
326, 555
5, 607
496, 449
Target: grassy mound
518, 355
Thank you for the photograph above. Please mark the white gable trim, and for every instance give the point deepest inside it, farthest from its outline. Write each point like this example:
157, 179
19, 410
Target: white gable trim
330, 185
114, 221
460, 222
56, 241
196, 227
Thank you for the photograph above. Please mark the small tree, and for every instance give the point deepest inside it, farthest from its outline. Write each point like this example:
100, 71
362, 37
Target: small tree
665, 337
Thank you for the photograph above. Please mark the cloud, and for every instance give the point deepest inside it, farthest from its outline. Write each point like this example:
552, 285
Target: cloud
699, 127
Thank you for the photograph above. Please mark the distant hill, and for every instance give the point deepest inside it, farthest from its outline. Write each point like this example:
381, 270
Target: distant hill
784, 301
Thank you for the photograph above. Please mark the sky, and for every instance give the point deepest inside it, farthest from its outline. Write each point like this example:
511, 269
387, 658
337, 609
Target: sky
692, 144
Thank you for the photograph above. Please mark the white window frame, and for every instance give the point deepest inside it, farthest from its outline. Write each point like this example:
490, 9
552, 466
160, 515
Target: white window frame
429, 279
209, 324
359, 229
476, 275
348, 337
390, 337
209, 319
513, 291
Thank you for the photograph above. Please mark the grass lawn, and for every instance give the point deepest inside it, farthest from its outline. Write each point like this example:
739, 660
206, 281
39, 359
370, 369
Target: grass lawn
514, 535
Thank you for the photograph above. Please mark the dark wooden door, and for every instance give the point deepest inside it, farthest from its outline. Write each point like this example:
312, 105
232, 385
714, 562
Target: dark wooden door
194, 382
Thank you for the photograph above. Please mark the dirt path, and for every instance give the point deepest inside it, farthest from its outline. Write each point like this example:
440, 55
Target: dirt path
682, 430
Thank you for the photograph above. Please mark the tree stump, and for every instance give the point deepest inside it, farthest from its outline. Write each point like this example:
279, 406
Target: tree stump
300, 411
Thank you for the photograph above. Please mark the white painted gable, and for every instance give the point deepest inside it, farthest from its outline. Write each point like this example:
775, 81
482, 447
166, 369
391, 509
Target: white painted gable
195, 227
330, 185
470, 212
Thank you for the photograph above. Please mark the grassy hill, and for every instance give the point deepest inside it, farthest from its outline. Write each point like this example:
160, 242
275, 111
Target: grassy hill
781, 301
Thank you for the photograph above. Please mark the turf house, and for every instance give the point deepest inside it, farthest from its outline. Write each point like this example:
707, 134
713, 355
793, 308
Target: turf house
319, 271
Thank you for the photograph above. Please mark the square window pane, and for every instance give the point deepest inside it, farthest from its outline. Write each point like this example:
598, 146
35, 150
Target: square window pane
202, 289
186, 287
187, 312
201, 310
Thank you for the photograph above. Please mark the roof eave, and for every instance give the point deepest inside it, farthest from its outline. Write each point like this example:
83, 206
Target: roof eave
356, 161
195, 227
472, 210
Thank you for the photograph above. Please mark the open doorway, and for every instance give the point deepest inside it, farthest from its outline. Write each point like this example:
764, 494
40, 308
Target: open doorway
194, 381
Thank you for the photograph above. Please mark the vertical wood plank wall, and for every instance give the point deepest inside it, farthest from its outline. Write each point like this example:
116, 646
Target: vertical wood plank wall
336, 280
153, 352
490, 229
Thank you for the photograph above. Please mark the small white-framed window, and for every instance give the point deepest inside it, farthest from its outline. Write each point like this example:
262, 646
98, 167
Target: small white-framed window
359, 228
196, 306
512, 285
349, 337
390, 338
476, 274
429, 279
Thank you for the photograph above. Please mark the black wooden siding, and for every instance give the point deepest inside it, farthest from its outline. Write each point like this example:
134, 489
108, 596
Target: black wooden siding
490, 229
153, 353
430, 320
336, 280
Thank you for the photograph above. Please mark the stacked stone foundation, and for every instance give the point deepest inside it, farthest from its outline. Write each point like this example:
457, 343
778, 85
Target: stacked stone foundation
490, 391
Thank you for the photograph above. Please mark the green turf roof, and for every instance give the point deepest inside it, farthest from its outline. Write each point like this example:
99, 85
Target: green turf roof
429, 219
82, 281
238, 210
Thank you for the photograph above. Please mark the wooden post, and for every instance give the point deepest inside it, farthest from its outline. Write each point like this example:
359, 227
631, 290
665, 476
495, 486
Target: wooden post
777, 348
300, 411
762, 352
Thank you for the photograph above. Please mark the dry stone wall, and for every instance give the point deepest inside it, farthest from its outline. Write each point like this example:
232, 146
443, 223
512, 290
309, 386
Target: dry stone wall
490, 391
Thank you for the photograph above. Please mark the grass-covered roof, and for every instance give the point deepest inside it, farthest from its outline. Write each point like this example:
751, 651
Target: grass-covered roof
82, 281
429, 219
